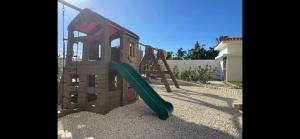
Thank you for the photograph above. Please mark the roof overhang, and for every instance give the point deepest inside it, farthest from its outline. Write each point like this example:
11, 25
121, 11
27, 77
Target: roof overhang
223, 44
220, 46
221, 56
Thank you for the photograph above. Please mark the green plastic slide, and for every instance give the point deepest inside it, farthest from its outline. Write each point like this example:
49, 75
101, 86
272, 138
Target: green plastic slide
162, 108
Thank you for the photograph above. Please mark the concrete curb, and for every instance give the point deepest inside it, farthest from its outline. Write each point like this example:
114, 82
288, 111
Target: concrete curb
227, 90
186, 83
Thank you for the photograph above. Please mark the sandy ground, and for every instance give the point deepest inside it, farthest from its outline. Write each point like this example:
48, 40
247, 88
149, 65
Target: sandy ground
198, 113
218, 84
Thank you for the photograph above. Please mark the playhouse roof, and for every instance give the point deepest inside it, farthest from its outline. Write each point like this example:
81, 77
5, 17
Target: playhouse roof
90, 22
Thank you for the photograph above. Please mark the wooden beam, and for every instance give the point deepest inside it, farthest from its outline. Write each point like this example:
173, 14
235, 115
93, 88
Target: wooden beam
161, 74
170, 72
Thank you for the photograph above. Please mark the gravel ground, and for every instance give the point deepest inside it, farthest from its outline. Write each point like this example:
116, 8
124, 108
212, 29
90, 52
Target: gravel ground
198, 113
218, 84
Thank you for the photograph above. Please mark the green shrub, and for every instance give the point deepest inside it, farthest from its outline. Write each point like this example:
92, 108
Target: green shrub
175, 71
205, 74
186, 75
235, 84
194, 76
200, 74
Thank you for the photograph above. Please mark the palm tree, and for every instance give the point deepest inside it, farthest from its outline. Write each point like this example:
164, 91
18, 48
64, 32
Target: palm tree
199, 51
221, 38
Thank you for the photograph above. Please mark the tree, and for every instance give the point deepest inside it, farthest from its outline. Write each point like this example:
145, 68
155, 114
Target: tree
169, 55
180, 54
198, 52
202, 53
211, 53
190, 54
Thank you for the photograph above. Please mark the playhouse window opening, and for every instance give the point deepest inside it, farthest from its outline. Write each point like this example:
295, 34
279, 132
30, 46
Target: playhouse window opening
73, 97
155, 53
75, 80
77, 51
115, 81
92, 80
99, 51
115, 42
80, 34
131, 49
95, 52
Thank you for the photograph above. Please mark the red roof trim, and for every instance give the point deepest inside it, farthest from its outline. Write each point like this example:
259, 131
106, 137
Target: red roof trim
232, 38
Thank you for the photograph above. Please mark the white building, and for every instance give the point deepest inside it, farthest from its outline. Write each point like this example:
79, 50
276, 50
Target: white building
230, 56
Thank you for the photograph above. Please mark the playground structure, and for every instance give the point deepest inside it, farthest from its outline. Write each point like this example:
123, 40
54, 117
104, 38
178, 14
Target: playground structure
150, 66
106, 76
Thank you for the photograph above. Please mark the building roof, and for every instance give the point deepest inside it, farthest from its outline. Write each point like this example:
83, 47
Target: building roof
232, 38
227, 40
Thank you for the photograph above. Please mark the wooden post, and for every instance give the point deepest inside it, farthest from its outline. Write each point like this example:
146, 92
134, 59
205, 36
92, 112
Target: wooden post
70, 44
102, 92
124, 58
85, 51
168, 68
161, 74
60, 91
149, 57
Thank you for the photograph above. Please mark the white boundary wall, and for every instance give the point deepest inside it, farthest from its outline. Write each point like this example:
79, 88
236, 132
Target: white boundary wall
186, 64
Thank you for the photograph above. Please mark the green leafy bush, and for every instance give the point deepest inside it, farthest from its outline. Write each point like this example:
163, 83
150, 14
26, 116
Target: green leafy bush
186, 75
205, 74
235, 84
194, 76
176, 72
200, 74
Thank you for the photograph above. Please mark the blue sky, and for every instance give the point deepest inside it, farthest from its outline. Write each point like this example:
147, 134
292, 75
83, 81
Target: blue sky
166, 24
